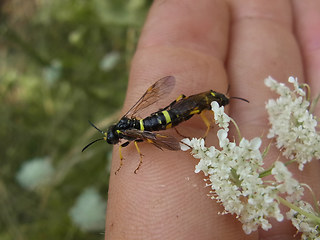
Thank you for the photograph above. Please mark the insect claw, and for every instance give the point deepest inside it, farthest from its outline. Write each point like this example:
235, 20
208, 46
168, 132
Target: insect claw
118, 170
140, 163
115, 173
135, 171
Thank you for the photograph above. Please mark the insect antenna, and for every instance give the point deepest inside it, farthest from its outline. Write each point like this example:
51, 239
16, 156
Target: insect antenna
96, 127
91, 143
243, 99
96, 139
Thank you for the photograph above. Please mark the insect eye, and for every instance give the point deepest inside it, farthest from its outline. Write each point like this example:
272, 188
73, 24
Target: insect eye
109, 137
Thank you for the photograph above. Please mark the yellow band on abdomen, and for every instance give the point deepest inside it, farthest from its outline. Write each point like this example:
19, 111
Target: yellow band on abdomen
167, 116
141, 125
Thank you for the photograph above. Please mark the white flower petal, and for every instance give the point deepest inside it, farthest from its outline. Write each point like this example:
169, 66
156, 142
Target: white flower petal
185, 144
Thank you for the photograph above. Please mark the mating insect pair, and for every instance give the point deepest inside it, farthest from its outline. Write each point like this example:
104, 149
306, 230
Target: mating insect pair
132, 129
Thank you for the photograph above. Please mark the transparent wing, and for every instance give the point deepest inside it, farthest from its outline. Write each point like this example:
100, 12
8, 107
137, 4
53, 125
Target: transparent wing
158, 90
159, 140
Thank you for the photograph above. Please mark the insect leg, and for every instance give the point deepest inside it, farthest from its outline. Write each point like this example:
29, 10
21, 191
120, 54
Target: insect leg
141, 155
182, 96
180, 133
120, 154
206, 122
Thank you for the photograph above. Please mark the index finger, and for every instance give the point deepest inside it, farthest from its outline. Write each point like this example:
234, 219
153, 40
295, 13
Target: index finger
165, 199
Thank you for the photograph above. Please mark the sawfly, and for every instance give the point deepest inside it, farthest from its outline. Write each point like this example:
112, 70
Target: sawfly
131, 128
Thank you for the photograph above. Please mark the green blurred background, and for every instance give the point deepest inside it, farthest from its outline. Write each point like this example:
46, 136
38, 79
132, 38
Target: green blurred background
62, 63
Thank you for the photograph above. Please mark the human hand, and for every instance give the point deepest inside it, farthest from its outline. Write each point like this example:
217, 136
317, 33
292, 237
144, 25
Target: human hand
209, 45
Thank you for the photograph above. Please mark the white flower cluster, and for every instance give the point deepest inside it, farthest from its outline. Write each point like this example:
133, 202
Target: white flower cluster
233, 173
293, 126
309, 228
220, 117
286, 183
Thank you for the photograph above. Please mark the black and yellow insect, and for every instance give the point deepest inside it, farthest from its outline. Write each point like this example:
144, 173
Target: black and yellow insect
133, 129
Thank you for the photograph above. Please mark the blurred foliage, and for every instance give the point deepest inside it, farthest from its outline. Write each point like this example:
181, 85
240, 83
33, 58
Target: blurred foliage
63, 62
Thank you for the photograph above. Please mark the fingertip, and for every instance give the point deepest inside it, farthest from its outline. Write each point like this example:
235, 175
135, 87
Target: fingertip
203, 26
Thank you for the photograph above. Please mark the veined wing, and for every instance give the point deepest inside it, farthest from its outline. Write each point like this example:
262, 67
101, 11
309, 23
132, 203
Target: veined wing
158, 90
159, 140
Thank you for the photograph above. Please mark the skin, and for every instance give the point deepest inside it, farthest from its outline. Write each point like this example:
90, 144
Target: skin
209, 45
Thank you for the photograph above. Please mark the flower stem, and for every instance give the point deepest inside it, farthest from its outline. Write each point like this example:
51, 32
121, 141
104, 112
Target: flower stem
268, 171
237, 128
299, 210
308, 91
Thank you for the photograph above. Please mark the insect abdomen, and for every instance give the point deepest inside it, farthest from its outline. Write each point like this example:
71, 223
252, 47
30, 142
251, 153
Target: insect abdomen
181, 111
160, 121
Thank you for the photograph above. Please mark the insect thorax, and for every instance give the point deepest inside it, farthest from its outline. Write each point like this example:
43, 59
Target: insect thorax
125, 123
220, 98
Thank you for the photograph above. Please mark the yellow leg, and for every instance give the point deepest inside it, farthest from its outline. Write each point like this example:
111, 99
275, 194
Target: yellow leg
121, 160
206, 122
136, 144
182, 96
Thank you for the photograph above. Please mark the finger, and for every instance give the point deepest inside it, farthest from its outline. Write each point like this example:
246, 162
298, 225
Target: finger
165, 199
184, 34
307, 15
262, 44
307, 28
